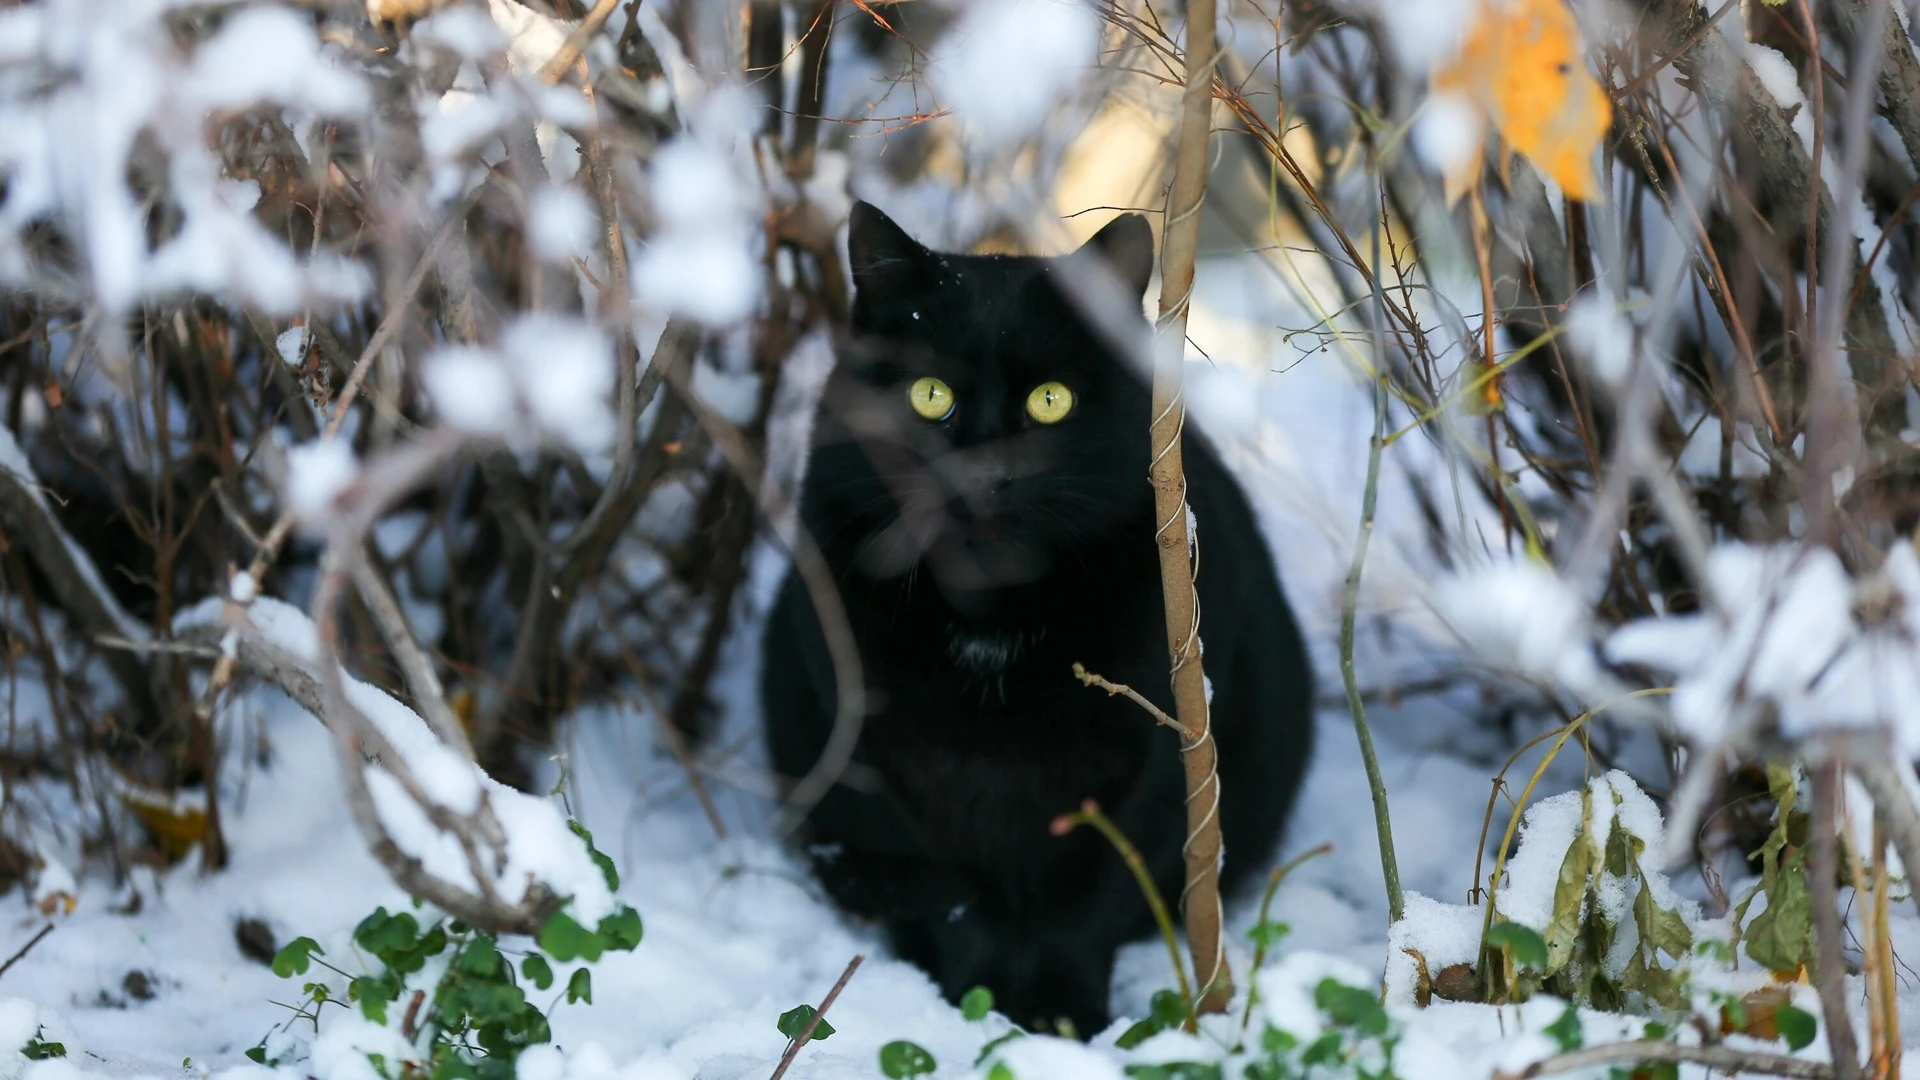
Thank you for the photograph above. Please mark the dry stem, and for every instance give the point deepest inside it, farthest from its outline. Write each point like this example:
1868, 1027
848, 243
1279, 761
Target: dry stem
1200, 901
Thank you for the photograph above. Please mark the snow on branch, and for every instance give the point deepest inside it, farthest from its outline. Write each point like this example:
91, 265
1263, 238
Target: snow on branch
448, 833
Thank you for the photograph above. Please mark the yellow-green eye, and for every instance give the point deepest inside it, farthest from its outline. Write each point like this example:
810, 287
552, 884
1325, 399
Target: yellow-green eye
931, 398
1050, 402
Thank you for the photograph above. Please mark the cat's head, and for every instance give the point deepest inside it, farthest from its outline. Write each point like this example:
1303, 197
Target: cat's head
978, 424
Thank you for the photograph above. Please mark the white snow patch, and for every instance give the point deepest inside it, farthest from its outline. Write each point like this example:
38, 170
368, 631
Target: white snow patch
1012, 62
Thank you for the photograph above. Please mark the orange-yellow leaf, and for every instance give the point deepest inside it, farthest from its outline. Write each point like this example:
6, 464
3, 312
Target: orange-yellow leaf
1522, 65
175, 825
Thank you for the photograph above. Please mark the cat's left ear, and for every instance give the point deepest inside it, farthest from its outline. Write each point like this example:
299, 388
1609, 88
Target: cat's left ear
1126, 244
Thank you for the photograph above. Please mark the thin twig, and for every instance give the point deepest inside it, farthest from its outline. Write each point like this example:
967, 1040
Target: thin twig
1350, 607
27, 948
1090, 814
819, 1014
1088, 678
1721, 1058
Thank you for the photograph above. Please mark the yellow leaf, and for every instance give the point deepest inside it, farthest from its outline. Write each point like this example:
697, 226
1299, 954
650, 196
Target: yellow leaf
175, 825
1522, 64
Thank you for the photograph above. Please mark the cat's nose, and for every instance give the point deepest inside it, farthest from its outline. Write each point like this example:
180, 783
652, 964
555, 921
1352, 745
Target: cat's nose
985, 481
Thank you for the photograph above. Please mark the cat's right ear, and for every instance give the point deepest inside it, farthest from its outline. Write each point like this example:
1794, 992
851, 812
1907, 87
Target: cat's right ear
880, 253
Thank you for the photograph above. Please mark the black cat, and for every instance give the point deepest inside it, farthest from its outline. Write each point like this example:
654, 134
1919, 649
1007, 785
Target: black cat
978, 484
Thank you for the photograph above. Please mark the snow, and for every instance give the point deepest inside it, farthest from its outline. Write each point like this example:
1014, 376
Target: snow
1519, 616
1546, 832
1449, 134
460, 30
560, 223
317, 472
270, 54
700, 262
1599, 334
292, 345
551, 376
1787, 636
1012, 62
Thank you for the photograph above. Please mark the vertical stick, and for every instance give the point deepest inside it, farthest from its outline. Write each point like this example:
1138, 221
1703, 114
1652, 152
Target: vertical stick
1200, 900
1830, 973
1350, 604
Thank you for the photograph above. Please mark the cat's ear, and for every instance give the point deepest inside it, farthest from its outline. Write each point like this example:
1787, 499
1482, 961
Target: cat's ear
1126, 243
878, 251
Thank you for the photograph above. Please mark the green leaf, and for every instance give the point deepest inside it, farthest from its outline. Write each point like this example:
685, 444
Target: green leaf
565, 940
599, 858
1567, 1031
1350, 1006
257, 1054
580, 987
1797, 1026
296, 956
621, 930
1140, 1032
1660, 927
384, 935
901, 1059
481, 958
1000, 1072
1167, 1009
537, 971
1529, 949
1268, 934
795, 1020
1569, 903
1781, 937
976, 1003
1322, 1050
1176, 1070
40, 1050
995, 1043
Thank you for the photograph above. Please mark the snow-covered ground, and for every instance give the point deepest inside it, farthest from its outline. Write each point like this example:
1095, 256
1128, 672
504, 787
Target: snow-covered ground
736, 932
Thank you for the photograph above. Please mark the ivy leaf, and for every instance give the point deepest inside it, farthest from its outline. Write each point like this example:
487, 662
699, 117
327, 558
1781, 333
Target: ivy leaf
1268, 934
565, 940
1140, 1032
384, 935
599, 857
1350, 1006
537, 971
296, 956
901, 1059
481, 958
1567, 1031
795, 1020
1797, 1026
621, 930
1000, 1072
580, 987
977, 1003
1167, 1009
1529, 949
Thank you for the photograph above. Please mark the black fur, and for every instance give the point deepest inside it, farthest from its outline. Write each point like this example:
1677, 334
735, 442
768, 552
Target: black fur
979, 558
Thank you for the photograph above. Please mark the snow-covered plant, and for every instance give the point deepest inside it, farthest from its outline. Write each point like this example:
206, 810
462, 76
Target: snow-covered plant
444, 1000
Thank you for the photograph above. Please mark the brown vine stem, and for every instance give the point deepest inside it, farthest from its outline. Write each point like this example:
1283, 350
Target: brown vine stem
806, 1033
1200, 900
